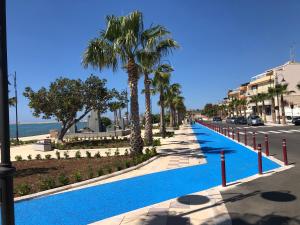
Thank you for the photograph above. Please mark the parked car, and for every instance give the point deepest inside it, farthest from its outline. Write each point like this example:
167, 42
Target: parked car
297, 121
295, 118
254, 120
241, 120
231, 119
217, 119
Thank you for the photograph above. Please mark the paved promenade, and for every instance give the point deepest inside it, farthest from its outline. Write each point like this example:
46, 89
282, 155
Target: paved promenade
182, 185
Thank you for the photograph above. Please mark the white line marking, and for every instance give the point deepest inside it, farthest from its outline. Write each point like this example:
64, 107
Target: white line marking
295, 130
262, 132
286, 131
275, 132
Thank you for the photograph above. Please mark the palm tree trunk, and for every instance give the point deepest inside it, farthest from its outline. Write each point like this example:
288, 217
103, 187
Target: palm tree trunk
264, 112
273, 110
171, 116
282, 110
162, 113
148, 114
136, 141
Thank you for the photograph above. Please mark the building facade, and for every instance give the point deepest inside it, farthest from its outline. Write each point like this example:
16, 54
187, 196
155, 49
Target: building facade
288, 73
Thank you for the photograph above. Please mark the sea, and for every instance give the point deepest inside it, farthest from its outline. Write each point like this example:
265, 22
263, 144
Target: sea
32, 129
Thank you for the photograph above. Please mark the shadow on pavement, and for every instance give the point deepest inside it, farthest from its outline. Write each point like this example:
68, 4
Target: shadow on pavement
193, 199
278, 196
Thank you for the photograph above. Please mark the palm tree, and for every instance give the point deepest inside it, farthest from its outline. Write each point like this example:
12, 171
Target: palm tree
122, 42
272, 94
255, 99
160, 82
243, 105
148, 59
172, 92
261, 98
282, 89
180, 109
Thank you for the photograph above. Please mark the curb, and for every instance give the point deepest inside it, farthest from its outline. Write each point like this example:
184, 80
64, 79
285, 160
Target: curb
82, 183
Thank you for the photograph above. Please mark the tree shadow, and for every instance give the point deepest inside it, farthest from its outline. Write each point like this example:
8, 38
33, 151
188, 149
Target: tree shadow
278, 196
210, 150
193, 199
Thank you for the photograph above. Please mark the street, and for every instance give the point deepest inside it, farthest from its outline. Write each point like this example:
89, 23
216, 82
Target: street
274, 199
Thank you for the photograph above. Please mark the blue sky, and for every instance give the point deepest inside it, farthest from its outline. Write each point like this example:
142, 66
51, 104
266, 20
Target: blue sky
223, 43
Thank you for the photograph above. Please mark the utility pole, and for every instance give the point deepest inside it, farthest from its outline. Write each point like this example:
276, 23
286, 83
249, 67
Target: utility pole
16, 97
6, 169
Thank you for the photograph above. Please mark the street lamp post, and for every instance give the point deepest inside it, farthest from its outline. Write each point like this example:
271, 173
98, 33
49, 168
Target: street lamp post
6, 169
16, 98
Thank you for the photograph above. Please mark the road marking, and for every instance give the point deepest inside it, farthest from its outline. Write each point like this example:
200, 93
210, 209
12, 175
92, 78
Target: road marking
275, 132
262, 132
295, 130
286, 131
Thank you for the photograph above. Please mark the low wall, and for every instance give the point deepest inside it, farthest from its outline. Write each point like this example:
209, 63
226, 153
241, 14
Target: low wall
96, 135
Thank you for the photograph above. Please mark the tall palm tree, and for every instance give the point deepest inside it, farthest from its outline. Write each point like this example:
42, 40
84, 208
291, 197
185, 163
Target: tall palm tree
243, 105
262, 97
121, 42
180, 109
272, 94
282, 89
148, 59
255, 99
172, 92
160, 82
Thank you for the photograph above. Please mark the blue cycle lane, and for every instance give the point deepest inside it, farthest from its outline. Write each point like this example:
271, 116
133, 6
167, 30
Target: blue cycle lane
95, 203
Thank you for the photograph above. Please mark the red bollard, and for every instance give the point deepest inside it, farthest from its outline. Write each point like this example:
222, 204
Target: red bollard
228, 131
284, 152
254, 140
259, 159
223, 169
245, 138
238, 135
232, 134
267, 145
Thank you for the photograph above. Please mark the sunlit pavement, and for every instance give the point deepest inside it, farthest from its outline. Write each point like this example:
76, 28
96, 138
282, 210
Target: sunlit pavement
99, 202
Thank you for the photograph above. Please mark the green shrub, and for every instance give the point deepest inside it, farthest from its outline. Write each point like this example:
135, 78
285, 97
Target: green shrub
90, 172
88, 154
63, 179
77, 154
153, 151
23, 189
147, 151
100, 172
156, 142
77, 176
127, 164
57, 153
66, 155
48, 156
108, 169
126, 152
38, 157
108, 153
47, 183
97, 155
18, 158
29, 157
117, 152
119, 165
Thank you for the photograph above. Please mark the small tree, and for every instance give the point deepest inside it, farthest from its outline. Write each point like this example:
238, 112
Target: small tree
66, 97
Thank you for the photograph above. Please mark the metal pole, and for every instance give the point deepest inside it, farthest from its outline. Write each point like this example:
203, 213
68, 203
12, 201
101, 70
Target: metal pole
223, 169
6, 169
16, 97
267, 145
284, 152
259, 159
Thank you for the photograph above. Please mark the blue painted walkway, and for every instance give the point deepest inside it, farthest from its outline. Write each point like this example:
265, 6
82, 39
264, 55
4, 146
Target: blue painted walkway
99, 202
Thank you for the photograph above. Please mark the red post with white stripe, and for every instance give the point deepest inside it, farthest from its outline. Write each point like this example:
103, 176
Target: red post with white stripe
284, 152
245, 137
238, 135
254, 140
267, 145
223, 169
259, 159
232, 134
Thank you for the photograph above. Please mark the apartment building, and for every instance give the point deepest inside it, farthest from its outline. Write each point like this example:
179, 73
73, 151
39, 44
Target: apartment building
287, 73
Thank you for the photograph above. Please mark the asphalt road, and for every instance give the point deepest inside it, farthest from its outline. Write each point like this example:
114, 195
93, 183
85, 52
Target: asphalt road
272, 200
